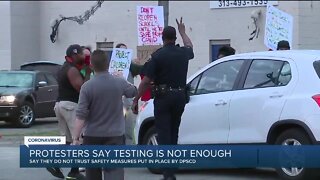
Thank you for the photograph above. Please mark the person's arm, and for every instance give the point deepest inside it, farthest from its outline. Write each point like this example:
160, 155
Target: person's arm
88, 74
135, 69
185, 38
81, 114
129, 89
144, 85
78, 126
75, 78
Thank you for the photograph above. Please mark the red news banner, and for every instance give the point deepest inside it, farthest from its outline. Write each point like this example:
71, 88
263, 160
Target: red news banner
150, 25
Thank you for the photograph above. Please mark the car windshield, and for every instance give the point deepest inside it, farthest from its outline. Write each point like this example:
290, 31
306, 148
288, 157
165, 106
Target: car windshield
16, 79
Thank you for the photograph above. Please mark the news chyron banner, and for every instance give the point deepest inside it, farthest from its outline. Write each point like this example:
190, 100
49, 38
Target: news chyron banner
179, 156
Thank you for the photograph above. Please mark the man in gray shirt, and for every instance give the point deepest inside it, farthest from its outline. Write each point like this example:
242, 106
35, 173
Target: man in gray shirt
100, 112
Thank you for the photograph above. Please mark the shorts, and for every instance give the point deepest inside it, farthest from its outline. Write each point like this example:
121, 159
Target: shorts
66, 113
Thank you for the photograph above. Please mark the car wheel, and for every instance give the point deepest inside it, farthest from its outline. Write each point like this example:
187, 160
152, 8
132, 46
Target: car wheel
295, 137
26, 116
150, 138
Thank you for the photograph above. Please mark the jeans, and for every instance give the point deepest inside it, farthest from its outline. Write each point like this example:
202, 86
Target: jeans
108, 174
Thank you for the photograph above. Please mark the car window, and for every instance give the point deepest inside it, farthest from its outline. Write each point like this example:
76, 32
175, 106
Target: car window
51, 80
193, 85
285, 75
263, 73
16, 79
220, 77
40, 77
316, 66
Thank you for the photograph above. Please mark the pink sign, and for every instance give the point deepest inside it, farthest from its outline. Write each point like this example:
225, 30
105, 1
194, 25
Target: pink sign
150, 25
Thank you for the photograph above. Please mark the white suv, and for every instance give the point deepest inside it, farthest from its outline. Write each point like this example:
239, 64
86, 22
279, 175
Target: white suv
261, 97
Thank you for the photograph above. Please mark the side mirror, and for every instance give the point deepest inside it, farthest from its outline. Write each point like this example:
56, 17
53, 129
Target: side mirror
42, 84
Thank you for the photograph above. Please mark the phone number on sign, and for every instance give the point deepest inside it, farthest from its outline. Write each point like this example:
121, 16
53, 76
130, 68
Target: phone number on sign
241, 3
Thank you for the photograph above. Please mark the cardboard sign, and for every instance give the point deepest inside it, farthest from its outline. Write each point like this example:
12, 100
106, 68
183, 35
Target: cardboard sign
150, 25
279, 26
120, 62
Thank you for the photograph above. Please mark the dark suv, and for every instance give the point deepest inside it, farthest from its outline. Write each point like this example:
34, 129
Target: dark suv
26, 95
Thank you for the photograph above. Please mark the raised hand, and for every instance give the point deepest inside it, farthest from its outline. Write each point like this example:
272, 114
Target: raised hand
181, 26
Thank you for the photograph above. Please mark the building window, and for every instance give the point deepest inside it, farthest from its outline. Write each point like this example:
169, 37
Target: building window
106, 47
215, 45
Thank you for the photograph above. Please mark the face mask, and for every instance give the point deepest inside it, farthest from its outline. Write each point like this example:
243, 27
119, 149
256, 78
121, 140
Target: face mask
87, 60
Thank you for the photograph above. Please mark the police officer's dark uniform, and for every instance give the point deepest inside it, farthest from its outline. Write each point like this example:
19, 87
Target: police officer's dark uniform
168, 69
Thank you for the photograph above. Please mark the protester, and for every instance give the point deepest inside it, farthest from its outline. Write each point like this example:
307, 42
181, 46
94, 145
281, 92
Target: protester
283, 45
134, 67
148, 94
100, 112
226, 51
168, 70
127, 102
87, 53
70, 82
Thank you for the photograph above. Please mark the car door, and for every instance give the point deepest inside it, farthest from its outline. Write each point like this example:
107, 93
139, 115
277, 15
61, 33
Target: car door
259, 101
42, 92
205, 119
53, 94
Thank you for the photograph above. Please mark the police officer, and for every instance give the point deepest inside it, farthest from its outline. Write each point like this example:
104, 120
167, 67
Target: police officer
168, 70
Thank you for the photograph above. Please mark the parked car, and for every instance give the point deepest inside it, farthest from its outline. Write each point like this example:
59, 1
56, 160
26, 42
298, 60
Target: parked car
46, 66
26, 95
261, 97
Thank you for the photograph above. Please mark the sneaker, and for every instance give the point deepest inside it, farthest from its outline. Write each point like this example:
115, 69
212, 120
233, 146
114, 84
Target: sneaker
56, 172
169, 178
75, 176
82, 169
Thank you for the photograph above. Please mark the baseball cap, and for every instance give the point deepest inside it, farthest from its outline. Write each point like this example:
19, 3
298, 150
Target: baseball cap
73, 49
169, 32
283, 44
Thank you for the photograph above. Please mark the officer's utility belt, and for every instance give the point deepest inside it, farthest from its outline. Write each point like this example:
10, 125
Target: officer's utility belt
163, 89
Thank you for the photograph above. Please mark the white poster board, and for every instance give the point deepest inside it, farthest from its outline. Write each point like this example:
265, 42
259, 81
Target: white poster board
120, 62
150, 23
279, 26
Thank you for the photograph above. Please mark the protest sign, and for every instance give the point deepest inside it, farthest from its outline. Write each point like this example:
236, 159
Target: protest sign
150, 25
120, 62
279, 26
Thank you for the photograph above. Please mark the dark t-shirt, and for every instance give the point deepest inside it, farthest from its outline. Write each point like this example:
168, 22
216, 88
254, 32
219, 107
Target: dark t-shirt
143, 70
169, 65
66, 90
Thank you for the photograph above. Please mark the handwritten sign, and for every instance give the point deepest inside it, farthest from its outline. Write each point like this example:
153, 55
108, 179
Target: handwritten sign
279, 26
150, 25
120, 62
